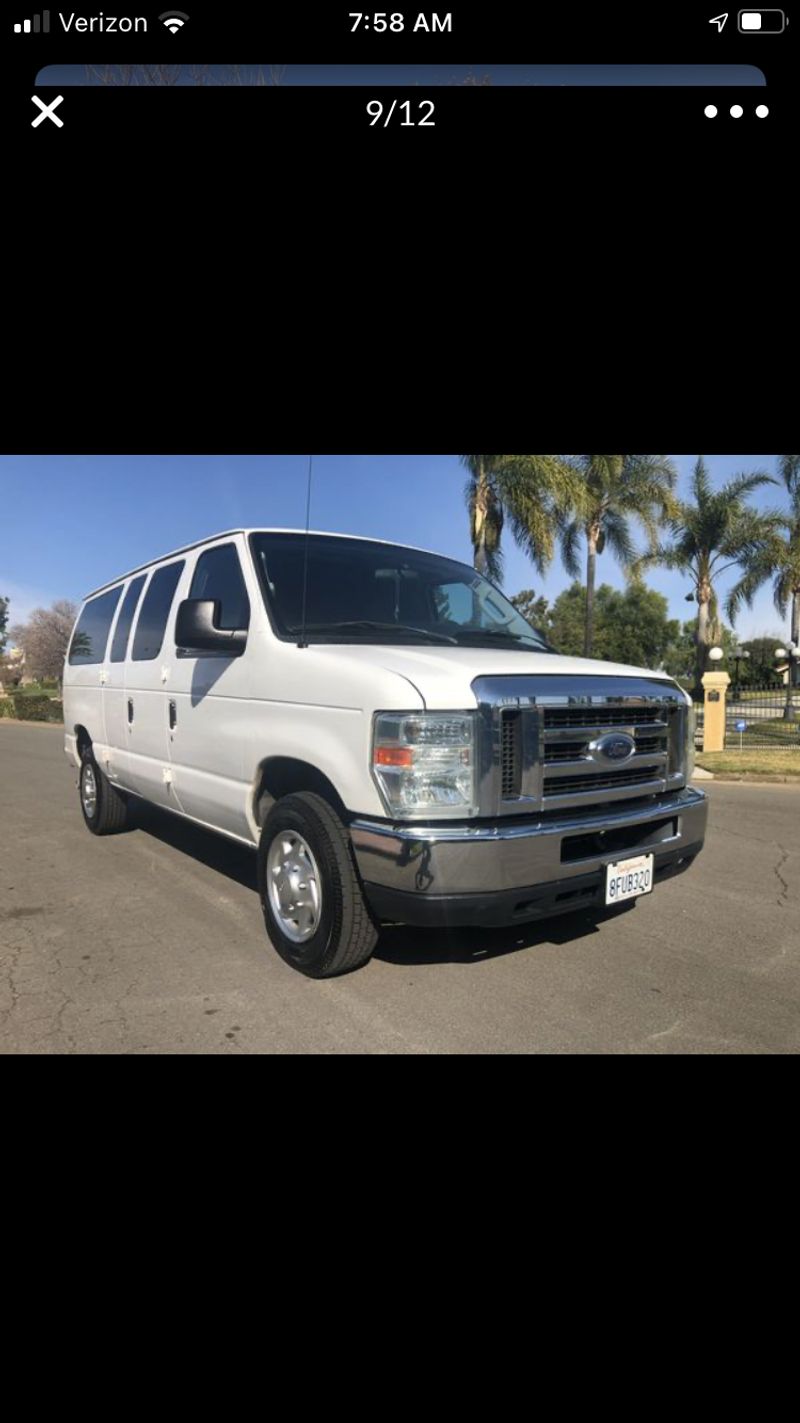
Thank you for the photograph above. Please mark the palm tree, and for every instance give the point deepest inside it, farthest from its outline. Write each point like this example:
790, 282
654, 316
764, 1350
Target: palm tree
532, 492
614, 488
713, 533
486, 513
778, 560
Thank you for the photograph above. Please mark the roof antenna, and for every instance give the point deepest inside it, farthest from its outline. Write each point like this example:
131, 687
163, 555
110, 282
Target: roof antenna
302, 642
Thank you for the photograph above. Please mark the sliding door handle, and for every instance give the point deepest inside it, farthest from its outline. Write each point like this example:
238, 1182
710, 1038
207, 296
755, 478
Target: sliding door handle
130, 712
173, 715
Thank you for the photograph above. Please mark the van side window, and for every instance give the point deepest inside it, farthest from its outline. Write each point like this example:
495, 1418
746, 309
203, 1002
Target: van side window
152, 622
218, 576
91, 633
119, 642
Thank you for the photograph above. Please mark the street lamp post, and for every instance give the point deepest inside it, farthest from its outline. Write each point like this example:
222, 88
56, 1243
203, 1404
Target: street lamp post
790, 653
739, 654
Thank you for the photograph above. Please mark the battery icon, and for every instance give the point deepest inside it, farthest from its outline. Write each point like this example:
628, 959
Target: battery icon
762, 22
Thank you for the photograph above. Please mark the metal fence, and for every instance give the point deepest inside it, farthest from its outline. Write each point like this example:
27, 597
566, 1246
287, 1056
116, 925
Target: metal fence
766, 718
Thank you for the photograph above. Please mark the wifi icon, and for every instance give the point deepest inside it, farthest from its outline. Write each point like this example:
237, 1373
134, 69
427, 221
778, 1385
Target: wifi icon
174, 20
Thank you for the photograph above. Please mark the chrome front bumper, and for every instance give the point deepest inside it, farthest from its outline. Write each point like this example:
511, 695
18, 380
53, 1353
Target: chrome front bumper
401, 864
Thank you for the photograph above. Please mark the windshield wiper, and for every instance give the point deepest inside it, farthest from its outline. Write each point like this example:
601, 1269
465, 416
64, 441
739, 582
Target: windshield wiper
368, 625
498, 635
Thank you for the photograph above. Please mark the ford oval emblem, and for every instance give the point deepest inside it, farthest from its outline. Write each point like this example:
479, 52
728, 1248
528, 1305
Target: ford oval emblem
616, 746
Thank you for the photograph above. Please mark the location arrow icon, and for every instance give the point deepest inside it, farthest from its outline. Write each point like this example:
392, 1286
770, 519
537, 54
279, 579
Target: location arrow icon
719, 21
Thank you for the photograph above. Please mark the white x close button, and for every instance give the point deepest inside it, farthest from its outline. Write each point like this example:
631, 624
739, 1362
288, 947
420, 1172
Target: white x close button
47, 111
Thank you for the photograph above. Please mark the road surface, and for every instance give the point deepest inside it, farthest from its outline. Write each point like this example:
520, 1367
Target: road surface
153, 942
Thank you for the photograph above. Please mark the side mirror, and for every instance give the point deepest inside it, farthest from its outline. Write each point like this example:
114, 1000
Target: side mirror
196, 629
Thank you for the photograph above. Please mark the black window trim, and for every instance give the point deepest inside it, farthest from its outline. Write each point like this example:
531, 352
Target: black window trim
172, 563
96, 661
264, 590
116, 662
212, 548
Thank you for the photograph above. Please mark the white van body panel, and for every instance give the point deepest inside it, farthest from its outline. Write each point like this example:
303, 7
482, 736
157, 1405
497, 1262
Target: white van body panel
443, 676
83, 704
309, 706
207, 747
114, 754
233, 715
147, 684
86, 682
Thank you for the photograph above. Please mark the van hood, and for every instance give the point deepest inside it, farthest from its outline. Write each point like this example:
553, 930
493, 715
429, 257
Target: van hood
443, 676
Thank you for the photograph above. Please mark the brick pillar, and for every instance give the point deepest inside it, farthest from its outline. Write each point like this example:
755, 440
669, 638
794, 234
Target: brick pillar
715, 686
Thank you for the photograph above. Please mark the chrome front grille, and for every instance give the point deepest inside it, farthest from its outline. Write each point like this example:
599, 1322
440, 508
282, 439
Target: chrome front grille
638, 777
573, 749
510, 749
570, 770
560, 717
537, 746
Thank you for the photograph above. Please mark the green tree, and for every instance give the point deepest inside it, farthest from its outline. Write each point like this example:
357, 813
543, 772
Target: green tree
566, 621
778, 560
534, 610
759, 667
3, 621
530, 492
680, 657
614, 488
714, 531
630, 627
637, 626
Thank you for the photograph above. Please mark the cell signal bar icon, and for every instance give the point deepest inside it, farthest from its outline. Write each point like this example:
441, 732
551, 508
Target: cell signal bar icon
39, 22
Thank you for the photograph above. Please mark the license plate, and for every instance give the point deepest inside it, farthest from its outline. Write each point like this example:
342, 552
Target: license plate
629, 878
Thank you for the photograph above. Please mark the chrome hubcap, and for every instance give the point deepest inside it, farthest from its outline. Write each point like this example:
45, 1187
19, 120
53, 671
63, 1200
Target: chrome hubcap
293, 885
88, 790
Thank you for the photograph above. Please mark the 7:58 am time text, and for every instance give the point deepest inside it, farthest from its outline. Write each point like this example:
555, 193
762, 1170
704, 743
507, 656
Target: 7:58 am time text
395, 23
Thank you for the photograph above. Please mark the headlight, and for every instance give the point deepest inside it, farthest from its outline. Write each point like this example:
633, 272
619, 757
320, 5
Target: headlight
691, 725
424, 763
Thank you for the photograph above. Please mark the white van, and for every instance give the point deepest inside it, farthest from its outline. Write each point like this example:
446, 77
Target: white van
387, 732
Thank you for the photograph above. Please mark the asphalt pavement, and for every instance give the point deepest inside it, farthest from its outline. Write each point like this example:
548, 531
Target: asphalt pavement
153, 942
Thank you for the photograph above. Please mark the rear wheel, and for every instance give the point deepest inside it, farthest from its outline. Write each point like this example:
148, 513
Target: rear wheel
314, 907
105, 809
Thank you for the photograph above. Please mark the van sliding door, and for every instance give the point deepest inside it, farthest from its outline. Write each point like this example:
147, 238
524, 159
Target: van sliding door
148, 673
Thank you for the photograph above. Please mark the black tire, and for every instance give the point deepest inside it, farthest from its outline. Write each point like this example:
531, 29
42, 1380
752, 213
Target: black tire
110, 813
346, 934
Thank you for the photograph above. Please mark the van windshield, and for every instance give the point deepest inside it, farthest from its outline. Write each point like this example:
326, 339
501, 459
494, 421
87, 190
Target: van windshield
377, 593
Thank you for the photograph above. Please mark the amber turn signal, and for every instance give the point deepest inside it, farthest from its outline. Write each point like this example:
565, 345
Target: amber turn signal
394, 756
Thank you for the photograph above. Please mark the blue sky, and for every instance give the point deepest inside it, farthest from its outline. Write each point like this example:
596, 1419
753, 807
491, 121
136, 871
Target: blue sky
72, 522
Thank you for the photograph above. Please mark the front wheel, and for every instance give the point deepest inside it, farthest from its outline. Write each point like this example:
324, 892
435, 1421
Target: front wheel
314, 907
105, 809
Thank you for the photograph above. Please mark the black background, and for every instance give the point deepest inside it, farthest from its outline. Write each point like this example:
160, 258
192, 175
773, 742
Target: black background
247, 269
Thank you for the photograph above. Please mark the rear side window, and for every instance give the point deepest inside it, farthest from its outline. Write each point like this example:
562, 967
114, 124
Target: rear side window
152, 622
119, 643
91, 634
218, 575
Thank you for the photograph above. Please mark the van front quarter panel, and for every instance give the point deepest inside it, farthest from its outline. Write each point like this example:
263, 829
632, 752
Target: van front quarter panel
313, 707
